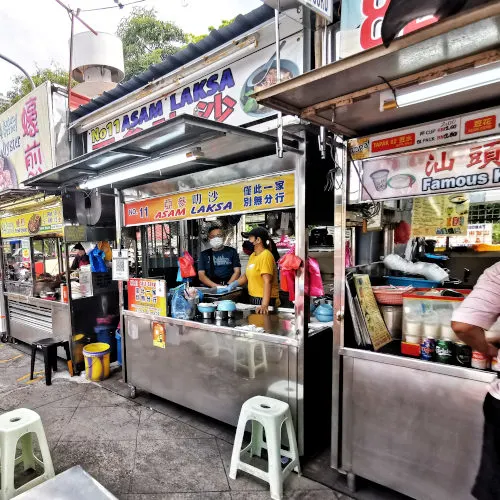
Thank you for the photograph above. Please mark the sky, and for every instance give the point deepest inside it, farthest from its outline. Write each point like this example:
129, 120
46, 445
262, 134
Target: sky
36, 32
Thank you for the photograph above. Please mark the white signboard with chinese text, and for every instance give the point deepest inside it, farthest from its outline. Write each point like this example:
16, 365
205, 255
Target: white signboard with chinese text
224, 95
428, 135
460, 167
322, 7
26, 138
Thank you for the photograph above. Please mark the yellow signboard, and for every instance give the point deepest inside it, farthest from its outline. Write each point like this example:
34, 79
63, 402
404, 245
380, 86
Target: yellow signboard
251, 195
440, 215
147, 296
44, 221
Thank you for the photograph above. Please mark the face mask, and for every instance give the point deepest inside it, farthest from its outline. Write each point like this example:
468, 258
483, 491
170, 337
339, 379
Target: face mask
216, 242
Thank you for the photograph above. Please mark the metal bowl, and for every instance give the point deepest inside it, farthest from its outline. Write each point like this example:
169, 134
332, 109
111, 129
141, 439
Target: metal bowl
221, 315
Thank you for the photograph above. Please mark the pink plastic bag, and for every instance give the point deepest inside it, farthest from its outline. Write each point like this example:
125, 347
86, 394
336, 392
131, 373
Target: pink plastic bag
314, 283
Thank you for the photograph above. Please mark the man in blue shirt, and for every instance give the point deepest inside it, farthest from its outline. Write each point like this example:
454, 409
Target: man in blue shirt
219, 265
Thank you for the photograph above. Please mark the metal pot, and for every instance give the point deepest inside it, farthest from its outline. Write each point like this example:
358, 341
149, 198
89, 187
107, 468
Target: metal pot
393, 317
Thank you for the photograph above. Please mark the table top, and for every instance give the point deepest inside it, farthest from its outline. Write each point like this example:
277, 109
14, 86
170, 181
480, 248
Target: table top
74, 484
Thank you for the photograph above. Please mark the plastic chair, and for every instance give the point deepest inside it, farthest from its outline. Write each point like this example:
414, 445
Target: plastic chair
267, 415
14, 426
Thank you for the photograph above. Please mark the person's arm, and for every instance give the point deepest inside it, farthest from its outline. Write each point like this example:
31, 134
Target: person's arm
206, 280
474, 337
266, 299
236, 274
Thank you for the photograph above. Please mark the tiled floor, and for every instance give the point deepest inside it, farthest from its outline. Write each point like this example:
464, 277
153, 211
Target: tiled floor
146, 448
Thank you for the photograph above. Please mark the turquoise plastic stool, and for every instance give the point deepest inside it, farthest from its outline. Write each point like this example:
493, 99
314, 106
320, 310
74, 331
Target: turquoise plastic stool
267, 415
14, 426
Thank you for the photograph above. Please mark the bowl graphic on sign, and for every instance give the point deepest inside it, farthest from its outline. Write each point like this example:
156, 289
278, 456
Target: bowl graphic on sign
379, 179
401, 181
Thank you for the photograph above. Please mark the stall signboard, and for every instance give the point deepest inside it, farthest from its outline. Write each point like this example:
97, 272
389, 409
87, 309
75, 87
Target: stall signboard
44, 221
322, 7
375, 325
460, 167
440, 215
427, 135
147, 296
264, 193
26, 138
222, 95
361, 23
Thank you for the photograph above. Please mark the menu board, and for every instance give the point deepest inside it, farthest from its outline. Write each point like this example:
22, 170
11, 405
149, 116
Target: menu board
46, 221
147, 296
379, 335
440, 215
259, 194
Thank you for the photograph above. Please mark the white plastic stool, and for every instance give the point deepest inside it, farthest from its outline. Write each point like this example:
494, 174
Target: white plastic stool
15, 425
293, 394
247, 347
267, 415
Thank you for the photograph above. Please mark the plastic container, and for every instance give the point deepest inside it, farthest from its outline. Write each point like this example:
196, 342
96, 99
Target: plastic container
118, 338
410, 281
97, 360
79, 342
106, 334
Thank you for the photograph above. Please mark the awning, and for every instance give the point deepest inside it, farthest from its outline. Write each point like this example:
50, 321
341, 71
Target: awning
10, 196
215, 144
344, 96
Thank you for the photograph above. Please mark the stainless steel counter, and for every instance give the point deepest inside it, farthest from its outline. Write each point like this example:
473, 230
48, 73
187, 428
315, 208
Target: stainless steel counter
411, 425
214, 368
279, 328
31, 318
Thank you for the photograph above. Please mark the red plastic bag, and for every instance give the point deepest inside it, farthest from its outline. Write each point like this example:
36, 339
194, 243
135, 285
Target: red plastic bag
186, 265
314, 283
289, 264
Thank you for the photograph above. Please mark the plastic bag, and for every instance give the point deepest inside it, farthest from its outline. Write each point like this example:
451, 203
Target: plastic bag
314, 283
289, 264
186, 264
96, 258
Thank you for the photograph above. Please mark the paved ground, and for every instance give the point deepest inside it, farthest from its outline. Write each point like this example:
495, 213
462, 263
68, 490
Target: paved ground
144, 449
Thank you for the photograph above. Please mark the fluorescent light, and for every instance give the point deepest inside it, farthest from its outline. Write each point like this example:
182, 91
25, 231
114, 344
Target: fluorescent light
451, 84
145, 167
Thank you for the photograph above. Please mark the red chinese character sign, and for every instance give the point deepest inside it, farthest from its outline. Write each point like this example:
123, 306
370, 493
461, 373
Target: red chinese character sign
26, 139
460, 167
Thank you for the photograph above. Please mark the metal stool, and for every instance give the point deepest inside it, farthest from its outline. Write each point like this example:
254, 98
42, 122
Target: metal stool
267, 415
49, 348
19, 425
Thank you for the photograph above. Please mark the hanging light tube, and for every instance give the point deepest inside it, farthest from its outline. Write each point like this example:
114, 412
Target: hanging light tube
451, 84
143, 168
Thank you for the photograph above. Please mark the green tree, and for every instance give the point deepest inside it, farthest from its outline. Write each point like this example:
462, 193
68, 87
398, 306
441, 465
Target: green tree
21, 85
147, 40
197, 38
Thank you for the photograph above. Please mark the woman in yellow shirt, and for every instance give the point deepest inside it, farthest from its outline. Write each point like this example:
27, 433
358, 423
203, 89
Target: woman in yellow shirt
261, 273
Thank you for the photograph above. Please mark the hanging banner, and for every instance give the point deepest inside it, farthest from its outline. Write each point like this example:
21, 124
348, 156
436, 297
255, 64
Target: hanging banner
147, 296
460, 167
440, 215
252, 195
428, 135
45, 221
224, 95
26, 138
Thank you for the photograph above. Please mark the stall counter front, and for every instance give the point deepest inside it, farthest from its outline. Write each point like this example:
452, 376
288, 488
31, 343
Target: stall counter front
412, 425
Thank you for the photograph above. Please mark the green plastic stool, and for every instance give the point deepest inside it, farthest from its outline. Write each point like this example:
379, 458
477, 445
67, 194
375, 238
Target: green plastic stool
14, 426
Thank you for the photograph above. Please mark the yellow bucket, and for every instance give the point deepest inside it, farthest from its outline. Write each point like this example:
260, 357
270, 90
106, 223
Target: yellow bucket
97, 361
78, 344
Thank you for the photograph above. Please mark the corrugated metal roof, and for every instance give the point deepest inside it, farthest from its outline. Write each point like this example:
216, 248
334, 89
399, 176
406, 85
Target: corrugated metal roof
216, 38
